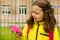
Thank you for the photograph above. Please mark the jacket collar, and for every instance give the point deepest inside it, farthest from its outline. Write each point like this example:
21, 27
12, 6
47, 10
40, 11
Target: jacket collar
41, 22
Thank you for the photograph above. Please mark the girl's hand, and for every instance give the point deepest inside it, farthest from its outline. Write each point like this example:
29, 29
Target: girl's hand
15, 29
18, 34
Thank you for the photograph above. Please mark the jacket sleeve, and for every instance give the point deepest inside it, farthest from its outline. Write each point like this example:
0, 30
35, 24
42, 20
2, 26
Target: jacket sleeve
56, 34
24, 36
25, 32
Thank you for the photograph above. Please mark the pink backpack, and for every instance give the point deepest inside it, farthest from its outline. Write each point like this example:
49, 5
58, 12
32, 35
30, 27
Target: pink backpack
51, 34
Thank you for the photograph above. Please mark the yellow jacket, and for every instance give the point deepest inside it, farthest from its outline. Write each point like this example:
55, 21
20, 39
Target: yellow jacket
32, 33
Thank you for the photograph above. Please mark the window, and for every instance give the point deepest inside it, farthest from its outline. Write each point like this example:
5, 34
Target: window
6, 10
22, 9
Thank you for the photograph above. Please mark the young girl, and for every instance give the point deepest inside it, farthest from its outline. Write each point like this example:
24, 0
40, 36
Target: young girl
40, 23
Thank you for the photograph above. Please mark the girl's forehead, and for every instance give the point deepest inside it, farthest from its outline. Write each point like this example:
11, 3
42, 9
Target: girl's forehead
36, 8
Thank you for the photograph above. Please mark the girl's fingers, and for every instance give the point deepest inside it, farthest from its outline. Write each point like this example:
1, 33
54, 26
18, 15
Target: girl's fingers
18, 34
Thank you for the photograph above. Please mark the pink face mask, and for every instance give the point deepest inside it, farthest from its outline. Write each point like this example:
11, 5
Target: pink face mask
15, 28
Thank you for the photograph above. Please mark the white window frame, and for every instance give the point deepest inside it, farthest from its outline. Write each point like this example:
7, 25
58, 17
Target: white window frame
6, 8
22, 9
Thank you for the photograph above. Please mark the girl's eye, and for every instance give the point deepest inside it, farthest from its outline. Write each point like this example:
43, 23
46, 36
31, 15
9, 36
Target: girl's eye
37, 13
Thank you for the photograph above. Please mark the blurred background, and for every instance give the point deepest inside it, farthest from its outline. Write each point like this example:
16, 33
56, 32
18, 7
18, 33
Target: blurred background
16, 12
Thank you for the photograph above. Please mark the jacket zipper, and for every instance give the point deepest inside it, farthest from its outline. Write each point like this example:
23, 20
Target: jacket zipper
37, 31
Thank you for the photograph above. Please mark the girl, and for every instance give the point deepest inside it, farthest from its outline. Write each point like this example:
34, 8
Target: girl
40, 23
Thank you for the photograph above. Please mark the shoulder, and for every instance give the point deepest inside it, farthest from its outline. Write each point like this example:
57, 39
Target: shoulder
56, 33
56, 29
25, 25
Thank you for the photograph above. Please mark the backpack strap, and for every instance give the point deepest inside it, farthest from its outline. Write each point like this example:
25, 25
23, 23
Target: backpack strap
28, 31
51, 33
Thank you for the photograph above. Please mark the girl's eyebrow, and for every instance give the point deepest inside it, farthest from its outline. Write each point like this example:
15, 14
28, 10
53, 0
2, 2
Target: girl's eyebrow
35, 12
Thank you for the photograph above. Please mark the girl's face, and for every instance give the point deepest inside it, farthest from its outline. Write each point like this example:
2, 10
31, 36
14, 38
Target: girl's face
37, 13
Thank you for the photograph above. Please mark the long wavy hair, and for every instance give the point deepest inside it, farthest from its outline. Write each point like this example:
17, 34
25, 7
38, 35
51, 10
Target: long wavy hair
49, 20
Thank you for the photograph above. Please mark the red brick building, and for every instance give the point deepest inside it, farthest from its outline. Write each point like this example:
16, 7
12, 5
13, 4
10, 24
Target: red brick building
18, 10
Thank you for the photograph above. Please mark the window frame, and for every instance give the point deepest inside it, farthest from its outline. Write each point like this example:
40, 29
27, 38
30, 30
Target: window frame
22, 9
6, 9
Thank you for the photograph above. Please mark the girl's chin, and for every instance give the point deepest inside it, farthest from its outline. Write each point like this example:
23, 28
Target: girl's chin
37, 21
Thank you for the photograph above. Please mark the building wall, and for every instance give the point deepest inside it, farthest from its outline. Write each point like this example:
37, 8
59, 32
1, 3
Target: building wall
14, 4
